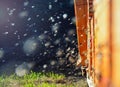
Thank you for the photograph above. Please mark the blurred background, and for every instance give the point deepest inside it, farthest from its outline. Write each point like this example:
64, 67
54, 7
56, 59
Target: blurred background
38, 35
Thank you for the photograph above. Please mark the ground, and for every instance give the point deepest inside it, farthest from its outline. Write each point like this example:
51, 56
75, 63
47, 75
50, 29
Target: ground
42, 80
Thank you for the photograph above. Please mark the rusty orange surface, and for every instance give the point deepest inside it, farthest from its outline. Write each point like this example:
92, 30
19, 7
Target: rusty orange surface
102, 43
98, 33
81, 12
116, 43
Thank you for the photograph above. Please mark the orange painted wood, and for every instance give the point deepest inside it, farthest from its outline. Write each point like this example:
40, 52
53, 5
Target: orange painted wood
102, 43
99, 42
81, 13
116, 43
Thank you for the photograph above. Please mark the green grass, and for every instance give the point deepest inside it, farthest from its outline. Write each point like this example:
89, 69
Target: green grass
35, 80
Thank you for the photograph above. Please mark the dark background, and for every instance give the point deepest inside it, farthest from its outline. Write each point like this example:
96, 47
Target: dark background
27, 20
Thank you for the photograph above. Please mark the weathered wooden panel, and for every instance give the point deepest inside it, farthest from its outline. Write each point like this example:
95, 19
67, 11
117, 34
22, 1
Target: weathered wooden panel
81, 12
116, 43
101, 42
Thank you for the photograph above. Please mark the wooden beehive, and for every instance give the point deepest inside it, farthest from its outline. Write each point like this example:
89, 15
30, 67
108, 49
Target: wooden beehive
98, 32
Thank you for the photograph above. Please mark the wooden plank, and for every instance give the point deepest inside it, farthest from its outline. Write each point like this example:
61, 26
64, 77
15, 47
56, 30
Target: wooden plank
81, 13
116, 43
102, 43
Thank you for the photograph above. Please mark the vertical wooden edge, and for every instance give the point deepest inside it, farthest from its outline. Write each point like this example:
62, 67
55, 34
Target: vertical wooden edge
81, 13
